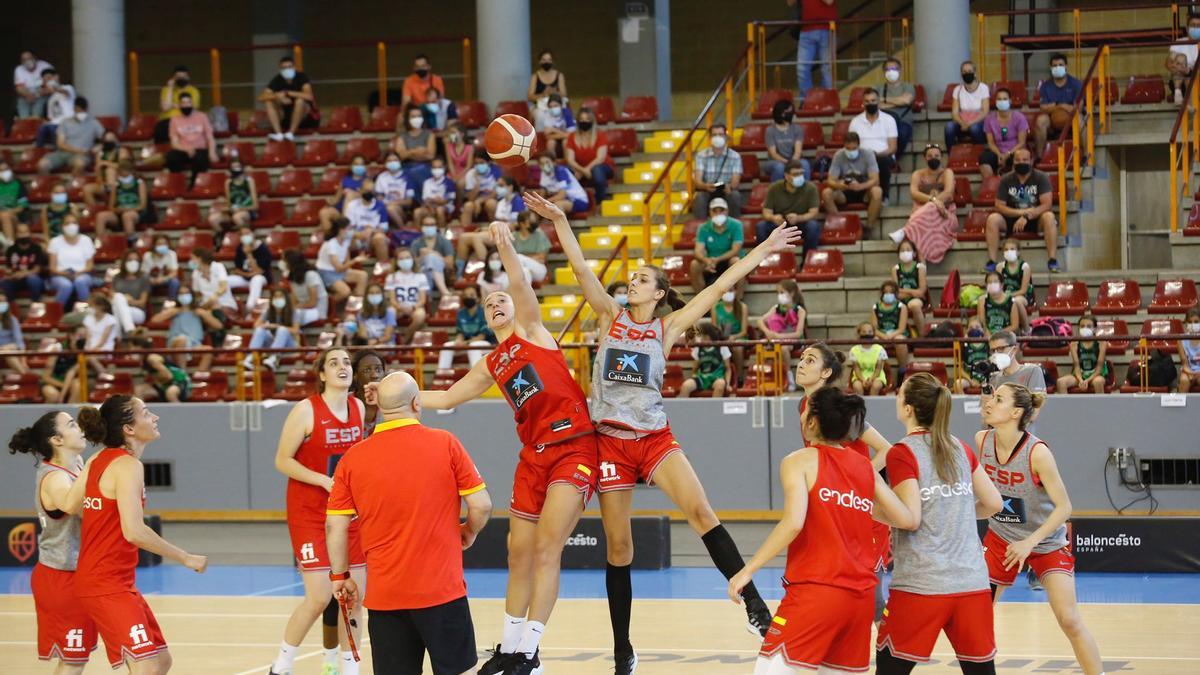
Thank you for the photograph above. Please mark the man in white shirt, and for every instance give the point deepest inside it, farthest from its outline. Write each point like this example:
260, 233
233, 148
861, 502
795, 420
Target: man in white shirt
59, 108
877, 133
408, 289
27, 81
1182, 57
210, 283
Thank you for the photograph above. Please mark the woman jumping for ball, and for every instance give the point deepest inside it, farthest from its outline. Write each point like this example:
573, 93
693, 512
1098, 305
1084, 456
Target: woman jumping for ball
634, 438
1031, 528
317, 432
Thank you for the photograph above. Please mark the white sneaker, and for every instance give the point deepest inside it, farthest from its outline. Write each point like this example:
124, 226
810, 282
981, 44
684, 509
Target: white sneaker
897, 236
275, 137
248, 363
1178, 96
289, 136
269, 363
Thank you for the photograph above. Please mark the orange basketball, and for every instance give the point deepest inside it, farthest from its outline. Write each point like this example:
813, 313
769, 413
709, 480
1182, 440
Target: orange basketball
510, 140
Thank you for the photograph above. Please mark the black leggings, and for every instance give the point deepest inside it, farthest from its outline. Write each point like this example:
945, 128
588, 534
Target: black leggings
886, 664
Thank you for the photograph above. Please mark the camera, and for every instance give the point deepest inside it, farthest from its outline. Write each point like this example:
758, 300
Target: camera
983, 372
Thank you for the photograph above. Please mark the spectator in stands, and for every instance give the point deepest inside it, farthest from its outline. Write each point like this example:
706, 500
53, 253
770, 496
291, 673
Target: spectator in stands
471, 329
27, 263
619, 290
1189, 350
408, 292
161, 263
493, 277
711, 369
877, 133
416, 146
1089, 368
586, 153
59, 380
289, 100
72, 257
1181, 59
896, 98
278, 327
178, 84
509, 207
911, 284
188, 325
815, 42
240, 206
102, 332
438, 111
1017, 277
784, 140
974, 353
785, 321
796, 202
433, 253
11, 339
437, 195
130, 294
27, 81
460, 153
868, 363
1024, 203
391, 186
1006, 130
889, 318
480, 187
561, 186
421, 79
532, 246
60, 107
13, 200
212, 291
348, 189
969, 105
375, 323
732, 318
1058, 96
166, 381
368, 218
555, 122
128, 203
106, 158
192, 143
853, 179
57, 209
996, 310
934, 221
719, 243
335, 265
509, 204
718, 173
251, 267
76, 137
1006, 354
546, 80
308, 290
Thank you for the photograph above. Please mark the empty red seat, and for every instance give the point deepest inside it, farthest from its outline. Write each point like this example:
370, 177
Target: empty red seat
753, 138
511, 108
687, 237
228, 249
602, 107
1120, 296
331, 179
639, 109
758, 195
27, 161
974, 227
766, 102
110, 123
964, 158
947, 103
42, 316
168, 186
1049, 372
621, 142
1049, 158
180, 216
1017, 90
21, 388
1173, 296
962, 191
37, 190
822, 265
266, 385
920, 101
776, 267
1144, 89
1114, 328
293, 183
243, 150
139, 128
750, 168
300, 384
855, 103
360, 145
317, 152
209, 185
676, 268
474, 114
1152, 327
820, 103
190, 240
1065, 298
282, 240
232, 116
383, 118
934, 368
262, 181
255, 124
270, 214
23, 130
75, 185
344, 119
672, 380
110, 384
305, 213
276, 153
111, 247
841, 229
987, 191
837, 138
209, 386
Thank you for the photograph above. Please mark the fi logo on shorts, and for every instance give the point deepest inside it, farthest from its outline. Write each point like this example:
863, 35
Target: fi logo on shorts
625, 366
75, 639
306, 553
523, 385
138, 636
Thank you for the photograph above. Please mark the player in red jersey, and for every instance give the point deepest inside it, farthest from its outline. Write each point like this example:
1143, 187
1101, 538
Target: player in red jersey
113, 531
317, 432
555, 475
831, 494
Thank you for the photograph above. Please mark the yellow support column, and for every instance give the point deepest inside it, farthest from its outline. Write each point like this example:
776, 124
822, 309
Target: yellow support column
214, 59
751, 61
135, 105
381, 70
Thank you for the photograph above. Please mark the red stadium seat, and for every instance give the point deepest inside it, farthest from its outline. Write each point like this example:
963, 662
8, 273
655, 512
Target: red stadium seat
758, 195
18, 388
676, 268
383, 118
255, 124
262, 181
282, 240
672, 380
841, 229
1144, 89
920, 101
1120, 296
331, 180
209, 185
1049, 158
190, 240
446, 315
1192, 228
1173, 296
232, 116
110, 384
243, 150
209, 386
820, 103
276, 153
639, 109
110, 123
939, 351
1065, 298
75, 185
299, 385
602, 107
38, 188
228, 249
837, 138
41, 317
111, 247
947, 103
27, 161
1152, 327
360, 145
622, 142
766, 102
1017, 89
180, 216
814, 134
1135, 366
753, 138
23, 130
855, 103
948, 305
964, 158
987, 191
1115, 328
270, 214
822, 265
974, 228
344, 119
473, 114
139, 128
511, 108
317, 152
962, 191
266, 380
168, 186
293, 183
687, 238
1050, 372
750, 168
935, 368
305, 213
775, 268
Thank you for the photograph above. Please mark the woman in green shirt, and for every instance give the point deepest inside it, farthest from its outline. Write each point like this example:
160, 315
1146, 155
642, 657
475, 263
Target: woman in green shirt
1017, 279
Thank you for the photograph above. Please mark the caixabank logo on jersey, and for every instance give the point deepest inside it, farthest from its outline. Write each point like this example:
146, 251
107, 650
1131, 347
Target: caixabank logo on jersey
522, 386
1136, 544
625, 366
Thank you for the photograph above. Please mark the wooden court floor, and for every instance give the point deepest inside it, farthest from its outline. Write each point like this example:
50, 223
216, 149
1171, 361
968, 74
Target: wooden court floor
239, 636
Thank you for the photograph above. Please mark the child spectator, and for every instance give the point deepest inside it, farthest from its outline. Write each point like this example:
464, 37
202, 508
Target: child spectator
251, 267
368, 218
58, 209
1089, 367
437, 195
13, 201
493, 277
459, 153
909, 275
472, 329
532, 246
480, 186
27, 262
128, 203
187, 329
889, 318
416, 146
59, 381
348, 189
1189, 350
375, 323
710, 367
433, 253
130, 294
974, 353
72, 258
868, 363
997, 311
310, 300
408, 292
619, 291
509, 204
731, 318
102, 332
166, 381
438, 111
391, 186
277, 327
336, 267
555, 122
1017, 278
161, 263
785, 321
561, 186
240, 206
11, 339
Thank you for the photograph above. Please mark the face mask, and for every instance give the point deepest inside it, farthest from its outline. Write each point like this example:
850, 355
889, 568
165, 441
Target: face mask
584, 126
24, 242
889, 298
162, 249
547, 65
933, 163
59, 198
438, 172
729, 297
1059, 72
453, 138
871, 108
470, 302
375, 298
1002, 360
405, 263
429, 230
719, 219
416, 122
185, 300
994, 287
784, 298
247, 239
1011, 255
891, 75
431, 107
288, 73
1194, 33
1193, 328
1022, 168
622, 299
132, 266
494, 265
393, 166
81, 116
181, 82
784, 117
125, 180
556, 112
351, 327
1087, 331
3, 308
368, 196
481, 169
70, 229
852, 154
236, 172
421, 72
968, 77
6, 175
547, 169
358, 170
186, 110
975, 333
797, 181
1003, 105
718, 141
906, 256
193, 265
867, 336
501, 191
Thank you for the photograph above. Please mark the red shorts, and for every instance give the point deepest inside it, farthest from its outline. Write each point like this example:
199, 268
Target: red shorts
65, 631
818, 625
623, 461
127, 625
308, 546
994, 549
572, 461
911, 624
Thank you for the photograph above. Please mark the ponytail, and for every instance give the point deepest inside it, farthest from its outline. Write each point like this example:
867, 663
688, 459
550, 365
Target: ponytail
106, 425
839, 416
673, 300
35, 439
932, 403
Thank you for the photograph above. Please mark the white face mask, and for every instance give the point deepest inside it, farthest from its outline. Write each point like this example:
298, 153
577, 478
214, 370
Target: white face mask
438, 172
852, 154
374, 298
132, 266
891, 75
797, 181
494, 265
906, 256
393, 166
6, 175
729, 296
429, 230
784, 298
1193, 328
994, 287
1002, 360
416, 122
719, 219
81, 116
501, 191
622, 299
1003, 105
1059, 72
405, 264
71, 229
185, 300
1011, 255
247, 239
278, 303
1087, 331
288, 73
718, 141
3, 307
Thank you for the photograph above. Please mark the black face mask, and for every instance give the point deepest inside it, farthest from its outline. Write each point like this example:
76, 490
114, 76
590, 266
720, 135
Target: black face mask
368, 196
186, 110
24, 242
236, 173
548, 66
80, 343
585, 126
968, 77
1022, 168
181, 81
421, 72
871, 108
934, 163
784, 117
469, 302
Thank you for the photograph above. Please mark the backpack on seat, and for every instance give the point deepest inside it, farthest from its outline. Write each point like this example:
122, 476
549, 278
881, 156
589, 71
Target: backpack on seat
1050, 327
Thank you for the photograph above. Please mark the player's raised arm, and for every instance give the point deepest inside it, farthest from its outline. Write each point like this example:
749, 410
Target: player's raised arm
591, 286
525, 301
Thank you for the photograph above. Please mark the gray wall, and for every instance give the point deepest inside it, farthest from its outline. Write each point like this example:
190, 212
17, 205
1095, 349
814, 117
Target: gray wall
223, 455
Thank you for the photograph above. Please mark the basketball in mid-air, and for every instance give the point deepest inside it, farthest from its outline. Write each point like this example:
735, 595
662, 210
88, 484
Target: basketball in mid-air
510, 140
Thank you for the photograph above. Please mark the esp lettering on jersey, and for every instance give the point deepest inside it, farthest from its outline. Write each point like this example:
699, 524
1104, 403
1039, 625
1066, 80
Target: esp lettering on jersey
343, 436
1004, 477
625, 366
1012, 512
620, 331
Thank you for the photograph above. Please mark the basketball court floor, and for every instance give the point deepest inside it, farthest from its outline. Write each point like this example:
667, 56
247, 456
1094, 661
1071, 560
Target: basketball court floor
230, 621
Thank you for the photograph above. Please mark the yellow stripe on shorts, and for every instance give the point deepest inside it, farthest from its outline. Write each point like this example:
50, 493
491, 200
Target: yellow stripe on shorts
779, 620
586, 471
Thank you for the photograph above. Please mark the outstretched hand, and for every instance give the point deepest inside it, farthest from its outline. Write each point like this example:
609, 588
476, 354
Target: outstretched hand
784, 237
542, 206
501, 234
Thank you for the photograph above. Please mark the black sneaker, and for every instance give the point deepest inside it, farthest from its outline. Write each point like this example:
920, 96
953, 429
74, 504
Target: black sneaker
627, 663
497, 663
523, 665
758, 617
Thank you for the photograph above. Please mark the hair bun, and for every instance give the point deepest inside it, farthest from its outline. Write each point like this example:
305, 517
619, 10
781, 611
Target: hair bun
1038, 399
91, 422
840, 356
21, 441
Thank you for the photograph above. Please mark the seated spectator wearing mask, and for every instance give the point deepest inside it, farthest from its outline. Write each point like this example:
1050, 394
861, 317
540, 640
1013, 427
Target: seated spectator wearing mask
1058, 96
784, 140
969, 106
853, 178
240, 206
438, 110
72, 258
162, 265
561, 186
192, 143
480, 187
251, 267
1182, 58
408, 292
391, 186
586, 153
1006, 130
60, 107
14, 200
76, 137
796, 202
106, 158
290, 101
1024, 203
719, 242
896, 98
555, 122
368, 217
933, 224
546, 80
128, 203
1006, 354
420, 81
177, 85
877, 133
718, 173
27, 262
416, 146
32, 96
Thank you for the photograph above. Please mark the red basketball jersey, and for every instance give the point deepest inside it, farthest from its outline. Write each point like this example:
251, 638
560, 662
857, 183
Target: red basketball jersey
320, 452
836, 547
547, 403
106, 559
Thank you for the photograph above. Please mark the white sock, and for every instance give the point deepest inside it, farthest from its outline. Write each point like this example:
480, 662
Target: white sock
513, 627
530, 638
349, 665
331, 656
286, 658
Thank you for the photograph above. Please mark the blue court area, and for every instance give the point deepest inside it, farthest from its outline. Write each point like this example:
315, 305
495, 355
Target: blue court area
679, 583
